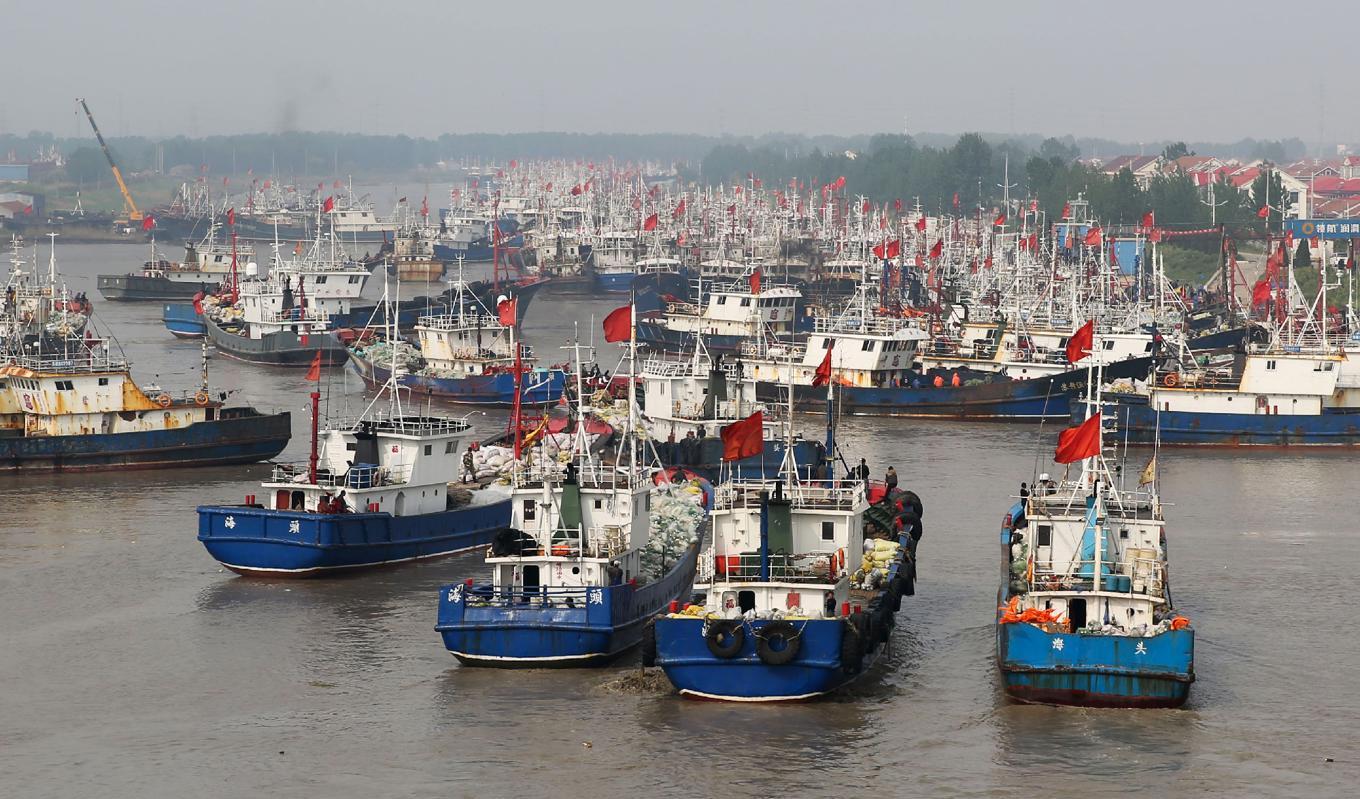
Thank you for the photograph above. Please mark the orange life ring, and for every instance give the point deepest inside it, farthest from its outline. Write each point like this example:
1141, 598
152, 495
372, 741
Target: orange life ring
1171, 380
164, 400
202, 398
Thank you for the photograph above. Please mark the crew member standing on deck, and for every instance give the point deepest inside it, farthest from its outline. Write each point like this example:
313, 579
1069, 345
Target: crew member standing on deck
891, 478
469, 469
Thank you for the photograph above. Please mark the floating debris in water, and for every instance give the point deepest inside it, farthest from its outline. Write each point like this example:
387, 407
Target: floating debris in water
639, 681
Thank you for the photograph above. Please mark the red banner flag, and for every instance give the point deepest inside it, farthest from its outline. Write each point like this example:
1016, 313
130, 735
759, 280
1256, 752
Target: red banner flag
425, 206
231, 216
1264, 212
744, 439
1000, 219
956, 201
1066, 211
576, 190
755, 281
1093, 237
506, 310
1260, 292
897, 204
679, 209
314, 373
1079, 345
888, 250
1076, 443
822, 376
328, 206
1149, 220
148, 221
938, 249
864, 209
649, 223
921, 224
618, 325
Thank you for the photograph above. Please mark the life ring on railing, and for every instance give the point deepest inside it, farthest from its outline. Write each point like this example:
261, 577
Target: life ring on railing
164, 400
1171, 380
202, 398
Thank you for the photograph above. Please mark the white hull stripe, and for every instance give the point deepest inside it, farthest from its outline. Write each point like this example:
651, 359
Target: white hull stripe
266, 570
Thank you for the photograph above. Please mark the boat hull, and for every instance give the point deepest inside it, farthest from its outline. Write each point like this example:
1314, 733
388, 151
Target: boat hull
529, 632
819, 667
704, 458
182, 320
1036, 399
1138, 422
1095, 670
242, 436
140, 288
540, 386
657, 336
256, 541
614, 282
276, 349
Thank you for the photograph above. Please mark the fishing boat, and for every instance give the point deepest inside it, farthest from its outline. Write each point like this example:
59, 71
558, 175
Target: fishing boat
205, 265
374, 492
466, 355
726, 317
797, 591
75, 407
615, 257
1085, 615
37, 310
686, 402
594, 550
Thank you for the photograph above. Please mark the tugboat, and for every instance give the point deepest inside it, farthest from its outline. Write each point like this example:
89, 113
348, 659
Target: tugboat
781, 612
592, 553
372, 493
1084, 613
74, 407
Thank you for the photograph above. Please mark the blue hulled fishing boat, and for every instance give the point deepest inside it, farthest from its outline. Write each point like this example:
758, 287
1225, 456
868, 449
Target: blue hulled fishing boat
781, 612
1085, 615
374, 492
594, 551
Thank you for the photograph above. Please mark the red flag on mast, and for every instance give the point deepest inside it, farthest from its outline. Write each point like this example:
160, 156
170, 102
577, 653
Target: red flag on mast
1076, 443
328, 206
755, 281
314, 373
618, 325
1079, 345
506, 311
650, 223
744, 439
823, 374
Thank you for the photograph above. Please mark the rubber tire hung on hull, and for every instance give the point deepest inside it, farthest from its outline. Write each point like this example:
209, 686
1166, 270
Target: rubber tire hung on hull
781, 632
852, 644
729, 630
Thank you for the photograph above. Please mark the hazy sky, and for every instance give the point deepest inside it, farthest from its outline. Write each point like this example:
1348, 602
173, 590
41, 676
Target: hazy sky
1131, 71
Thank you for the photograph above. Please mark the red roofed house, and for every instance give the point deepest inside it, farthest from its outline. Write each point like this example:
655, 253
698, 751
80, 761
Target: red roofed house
1143, 167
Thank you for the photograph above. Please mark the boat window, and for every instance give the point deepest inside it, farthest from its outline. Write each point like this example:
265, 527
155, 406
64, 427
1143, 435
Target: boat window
1076, 613
354, 279
868, 346
746, 600
1330, 365
429, 449
599, 503
722, 300
448, 447
745, 301
826, 343
1147, 347
528, 510
1043, 535
103, 381
1270, 366
828, 531
1108, 344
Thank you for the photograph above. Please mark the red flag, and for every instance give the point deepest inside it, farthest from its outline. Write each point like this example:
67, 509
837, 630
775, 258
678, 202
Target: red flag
1155, 235
425, 206
1067, 210
755, 281
1082, 441
679, 209
864, 209
314, 373
988, 263
505, 311
894, 248
921, 224
1034, 241
840, 182
328, 206
548, 187
231, 216
937, 249
1289, 239
618, 325
267, 184
897, 204
576, 190
744, 439
148, 221
1264, 212
514, 164
956, 201
822, 376
732, 210
1079, 345
649, 223
1000, 219
1260, 292
1093, 237
28, 210
1149, 221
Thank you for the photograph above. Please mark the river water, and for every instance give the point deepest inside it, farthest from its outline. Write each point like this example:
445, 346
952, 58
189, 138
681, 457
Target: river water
134, 666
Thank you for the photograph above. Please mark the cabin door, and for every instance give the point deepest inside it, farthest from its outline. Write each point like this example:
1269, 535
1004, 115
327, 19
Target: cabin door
1076, 613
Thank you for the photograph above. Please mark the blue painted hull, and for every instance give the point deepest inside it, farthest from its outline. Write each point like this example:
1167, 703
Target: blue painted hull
614, 282
262, 542
182, 320
1095, 670
599, 625
704, 457
657, 336
540, 386
476, 251
819, 668
1138, 421
1036, 399
239, 435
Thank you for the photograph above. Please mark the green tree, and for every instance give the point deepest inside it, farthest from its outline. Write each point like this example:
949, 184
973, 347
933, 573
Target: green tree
1176, 150
1303, 256
1268, 189
86, 165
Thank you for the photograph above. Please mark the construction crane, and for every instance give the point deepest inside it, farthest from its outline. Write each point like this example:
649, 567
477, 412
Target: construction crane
134, 215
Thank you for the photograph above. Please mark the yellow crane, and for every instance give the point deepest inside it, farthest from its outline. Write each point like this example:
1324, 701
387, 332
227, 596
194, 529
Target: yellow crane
134, 215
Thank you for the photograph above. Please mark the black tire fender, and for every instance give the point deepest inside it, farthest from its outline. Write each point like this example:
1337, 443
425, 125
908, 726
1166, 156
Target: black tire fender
725, 638
778, 631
